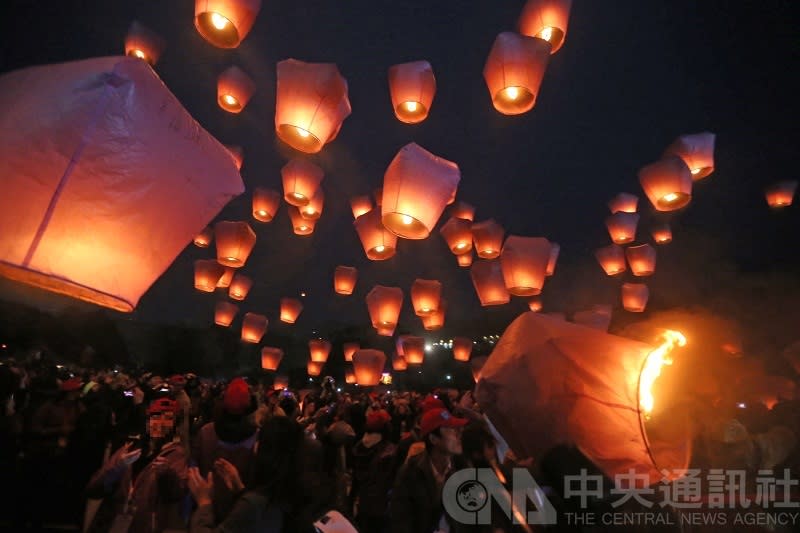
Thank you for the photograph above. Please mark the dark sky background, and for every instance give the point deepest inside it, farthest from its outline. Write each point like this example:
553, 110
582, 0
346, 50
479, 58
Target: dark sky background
631, 76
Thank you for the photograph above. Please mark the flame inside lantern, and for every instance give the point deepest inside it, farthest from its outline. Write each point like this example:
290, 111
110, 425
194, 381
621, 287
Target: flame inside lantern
657, 359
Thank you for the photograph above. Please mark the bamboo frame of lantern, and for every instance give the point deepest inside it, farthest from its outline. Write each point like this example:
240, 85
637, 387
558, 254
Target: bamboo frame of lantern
487, 278
266, 203
399, 363
462, 348
412, 87
237, 154
697, 151
413, 349
463, 210
204, 238
547, 20
781, 194
360, 205
425, 296
235, 241
319, 350
667, 183
368, 366
234, 89
254, 326
662, 234
384, 305
240, 286
642, 259
622, 227
435, 320
524, 263
225, 23
225, 281
378, 242
514, 71
290, 310
634, 297
464, 260
314, 368
300, 226
611, 259
555, 249
348, 349
535, 304
207, 273
624, 203
457, 232
487, 237
313, 209
143, 43
344, 279
224, 313
301, 180
271, 358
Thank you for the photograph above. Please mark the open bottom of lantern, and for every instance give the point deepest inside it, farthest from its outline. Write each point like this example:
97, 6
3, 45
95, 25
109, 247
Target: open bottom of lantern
514, 100
672, 201
217, 30
62, 286
299, 138
405, 226
411, 112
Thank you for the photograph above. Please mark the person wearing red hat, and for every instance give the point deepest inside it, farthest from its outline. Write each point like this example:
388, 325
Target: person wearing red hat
372, 473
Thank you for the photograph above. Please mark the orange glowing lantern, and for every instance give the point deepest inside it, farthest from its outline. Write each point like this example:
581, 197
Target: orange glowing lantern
349, 377
514, 71
462, 348
535, 304
240, 286
464, 260
413, 349
207, 273
524, 263
622, 227
224, 313
781, 194
234, 89
416, 188
412, 87
344, 279
667, 183
435, 320
314, 368
458, 234
463, 210
313, 210
368, 366
143, 43
237, 153
611, 258
476, 365
384, 304
253, 327
662, 234
280, 383
386, 332
271, 358
399, 363
697, 151
635, 296
487, 277
204, 238
290, 310
546, 19
301, 180
225, 281
488, 238
555, 249
379, 243
310, 105
642, 259
425, 296
300, 225
265, 204
623, 203
319, 350
235, 241
349, 348
225, 23
360, 205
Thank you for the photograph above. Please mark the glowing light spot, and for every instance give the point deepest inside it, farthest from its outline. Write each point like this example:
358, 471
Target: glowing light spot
380, 248
652, 368
230, 100
261, 213
461, 245
411, 107
139, 54
546, 33
219, 21
303, 133
696, 170
670, 197
511, 93
406, 219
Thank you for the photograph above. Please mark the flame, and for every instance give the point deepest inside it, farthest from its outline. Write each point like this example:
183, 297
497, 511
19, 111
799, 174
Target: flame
652, 368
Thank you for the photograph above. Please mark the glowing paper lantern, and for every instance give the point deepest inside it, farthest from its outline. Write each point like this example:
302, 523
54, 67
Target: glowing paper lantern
225, 23
697, 151
416, 188
476, 365
487, 278
611, 258
781, 194
384, 304
412, 87
235, 241
300, 225
463, 210
462, 348
271, 358
280, 383
547, 20
622, 227
535, 304
360, 205
253, 327
425, 296
224, 313
379, 243
413, 349
399, 363
435, 320
488, 238
204, 238
624, 203
265, 204
555, 249
524, 263
143, 43
310, 105
464, 260
234, 89
642, 259
349, 377
349, 348
237, 153
207, 273
290, 310
344, 279
319, 350
226, 279
301, 181
386, 331
314, 368
662, 234
368, 367
313, 210
634, 297
94, 157
458, 234
514, 71
240, 286
667, 183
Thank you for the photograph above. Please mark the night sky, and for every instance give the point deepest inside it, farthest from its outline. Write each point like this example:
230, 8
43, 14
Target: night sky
631, 76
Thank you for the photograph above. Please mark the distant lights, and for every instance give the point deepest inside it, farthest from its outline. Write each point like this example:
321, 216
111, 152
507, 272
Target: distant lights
302, 295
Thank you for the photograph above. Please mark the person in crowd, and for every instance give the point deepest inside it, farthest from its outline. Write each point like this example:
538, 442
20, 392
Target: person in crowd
372, 475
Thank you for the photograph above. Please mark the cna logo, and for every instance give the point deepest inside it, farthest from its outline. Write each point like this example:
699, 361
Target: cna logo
468, 493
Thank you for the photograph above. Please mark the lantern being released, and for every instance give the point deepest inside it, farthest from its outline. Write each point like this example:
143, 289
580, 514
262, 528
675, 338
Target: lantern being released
514, 71
488, 238
535, 304
412, 87
265, 204
368, 366
290, 310
349, 348
360, 205
462, 348
487, 278
697, 151
349, 377
623, 203
310, 105
642, 259
207, 274
204, 238
344, 279
379, 243
234, 89
94, 156
622, 227
271, 358
314, 368
524, 263
253, 327
546, 19
235, 241
399, 363
224, 313
413, 349
225, 23
240, 286
458, 234
634, 297
781, 194
667, 183
301, 181
280, 383
425, 296
384, 304
319, 350
435, 320
662, 234
143, 43
300, 225
464, 260
417, 186
611, 258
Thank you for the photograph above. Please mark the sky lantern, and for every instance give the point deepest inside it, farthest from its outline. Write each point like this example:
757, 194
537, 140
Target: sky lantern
634, 297
311, 104
623, 203
387, 331
349, 377
413, 349
667, 183
240, 286
435, 320
253, 327
642, 259
555, 249
399, 363
290, 310
300, 225
425, 296
457, 232
462, 348
360, 205
280, 383
83, 214
319, 350
207, 273
368, 366
488, 238
265, 204
547, 20
781, 194
514, 71
379, 243
697, 151
384, 304
416, 188
535, 304
271, 358
234, 89
225, 23
412, 87
476, 365
313, 210
464, 260
349, 348
237, 153
225, 281
487, 278
622, 227
301, 180
344, 279
235, 241
224, 313
611, 258
143, 43
662, 234
463, 210
524, 263
314, 368
204, 238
